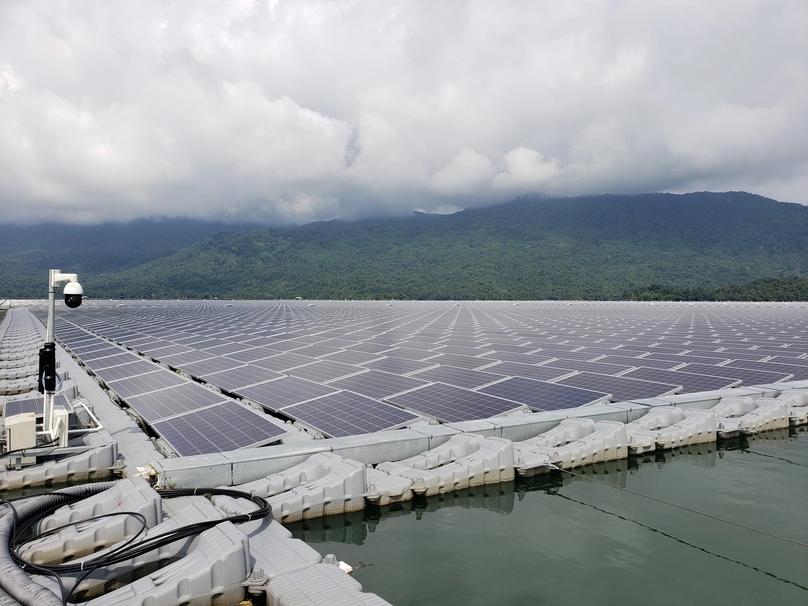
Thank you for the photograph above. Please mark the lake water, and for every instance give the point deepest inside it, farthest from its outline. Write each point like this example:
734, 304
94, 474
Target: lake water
561, 539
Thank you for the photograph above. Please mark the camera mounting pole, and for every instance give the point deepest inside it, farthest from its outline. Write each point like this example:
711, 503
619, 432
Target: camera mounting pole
47, 372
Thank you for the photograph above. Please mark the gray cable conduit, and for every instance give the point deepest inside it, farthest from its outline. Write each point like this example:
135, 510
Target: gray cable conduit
16, 587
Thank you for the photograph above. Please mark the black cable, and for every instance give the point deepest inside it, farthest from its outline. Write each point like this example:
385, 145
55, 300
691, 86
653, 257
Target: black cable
15, 523
143, 527
16, 450
132, 550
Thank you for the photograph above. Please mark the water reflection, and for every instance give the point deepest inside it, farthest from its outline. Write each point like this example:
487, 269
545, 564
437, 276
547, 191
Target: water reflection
353, 528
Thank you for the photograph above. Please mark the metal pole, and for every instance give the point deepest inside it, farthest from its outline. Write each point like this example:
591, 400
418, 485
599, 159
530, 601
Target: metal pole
47, 415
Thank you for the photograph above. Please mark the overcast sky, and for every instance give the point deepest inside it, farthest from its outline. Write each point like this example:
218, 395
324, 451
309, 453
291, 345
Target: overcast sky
292, 111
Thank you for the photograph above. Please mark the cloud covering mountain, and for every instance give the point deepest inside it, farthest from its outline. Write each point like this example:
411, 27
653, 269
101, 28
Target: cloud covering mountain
289, 112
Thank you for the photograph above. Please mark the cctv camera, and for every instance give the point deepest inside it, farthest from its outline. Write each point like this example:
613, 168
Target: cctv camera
73, 293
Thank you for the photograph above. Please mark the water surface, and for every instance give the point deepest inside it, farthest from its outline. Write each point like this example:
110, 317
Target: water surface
561, 539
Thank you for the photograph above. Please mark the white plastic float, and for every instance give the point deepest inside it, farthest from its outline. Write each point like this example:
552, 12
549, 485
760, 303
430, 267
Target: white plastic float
797, 401
668, 427
606, 442
324, 484
490, 462
746, 415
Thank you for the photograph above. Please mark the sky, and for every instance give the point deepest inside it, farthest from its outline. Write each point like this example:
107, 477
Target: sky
286, 112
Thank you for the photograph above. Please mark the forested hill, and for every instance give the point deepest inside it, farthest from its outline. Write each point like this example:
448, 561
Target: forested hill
590, 247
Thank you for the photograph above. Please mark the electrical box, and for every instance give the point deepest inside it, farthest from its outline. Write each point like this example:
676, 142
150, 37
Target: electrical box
61, 420
20, 434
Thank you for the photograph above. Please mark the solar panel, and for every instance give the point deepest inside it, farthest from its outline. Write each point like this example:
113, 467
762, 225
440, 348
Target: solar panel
749, 377
622, 389
451, 404
228, 426
408, 353
283, 362
566, 354
519, 358
315, 351
690, 382
529, 371
35, 405
173, 401
377, 384
459, 377
132, 369
540, 395
470, 351
372, 348
796, 371
87, 347
169, 350
634, 361
688, 357
323, 371
251, 355
152, 344
103, 352
157, 379
228, 348
399, 366
351, 357
347, 414
238, 378
110, 361
276, 394
209, 366
182, 359
460, 361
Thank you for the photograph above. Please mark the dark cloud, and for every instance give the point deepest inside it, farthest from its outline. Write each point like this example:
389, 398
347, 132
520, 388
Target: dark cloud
289, 112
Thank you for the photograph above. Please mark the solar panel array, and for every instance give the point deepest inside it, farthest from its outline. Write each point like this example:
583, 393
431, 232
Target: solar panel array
344, 367
168, 401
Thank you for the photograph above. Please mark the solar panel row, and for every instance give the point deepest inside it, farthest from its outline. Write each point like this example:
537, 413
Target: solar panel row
444, 360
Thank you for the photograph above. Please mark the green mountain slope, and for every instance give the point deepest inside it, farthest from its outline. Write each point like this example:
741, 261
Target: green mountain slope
592, 247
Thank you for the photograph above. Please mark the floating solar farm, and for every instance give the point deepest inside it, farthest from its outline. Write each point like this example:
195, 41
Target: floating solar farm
210, 376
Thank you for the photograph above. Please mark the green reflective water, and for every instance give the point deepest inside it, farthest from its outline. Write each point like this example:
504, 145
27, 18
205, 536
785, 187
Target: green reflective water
566, 540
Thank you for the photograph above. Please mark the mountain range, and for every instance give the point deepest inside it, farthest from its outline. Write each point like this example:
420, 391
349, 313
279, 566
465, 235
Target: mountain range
647, 246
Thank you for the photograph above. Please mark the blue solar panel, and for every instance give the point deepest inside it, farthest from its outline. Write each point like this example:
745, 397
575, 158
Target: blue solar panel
621, 389
540, 395
323, 371
690, 382
398, 366
451, 404
228, 426
173, 401
347, 414
529, 371
377, 384
276, 394
132, 369
109, 362
459, 377
239, 378
158, 379
35, 405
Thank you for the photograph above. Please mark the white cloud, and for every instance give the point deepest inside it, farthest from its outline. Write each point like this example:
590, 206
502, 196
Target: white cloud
525, 170
290, 111
466, 173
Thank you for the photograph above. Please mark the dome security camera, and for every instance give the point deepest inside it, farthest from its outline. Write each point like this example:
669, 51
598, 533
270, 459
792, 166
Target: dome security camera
73, 293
